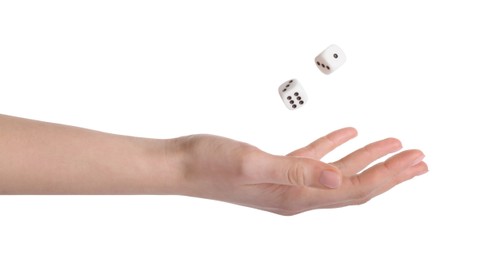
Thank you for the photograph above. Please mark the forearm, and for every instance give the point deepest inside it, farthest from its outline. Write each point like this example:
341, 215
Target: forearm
44, 158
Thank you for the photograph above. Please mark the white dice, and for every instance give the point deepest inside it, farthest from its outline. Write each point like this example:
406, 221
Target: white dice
330, 59
292, 94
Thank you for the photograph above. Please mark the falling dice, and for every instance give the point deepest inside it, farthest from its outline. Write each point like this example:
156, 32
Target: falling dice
292, 94
330, 59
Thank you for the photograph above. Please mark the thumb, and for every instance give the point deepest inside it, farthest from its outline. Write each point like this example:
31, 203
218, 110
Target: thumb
298, 171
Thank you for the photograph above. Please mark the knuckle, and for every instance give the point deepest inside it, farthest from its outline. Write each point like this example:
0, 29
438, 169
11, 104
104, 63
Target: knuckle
312, 149
360, 193
300, 151
356, 181
328, 140
295, 175
368, 151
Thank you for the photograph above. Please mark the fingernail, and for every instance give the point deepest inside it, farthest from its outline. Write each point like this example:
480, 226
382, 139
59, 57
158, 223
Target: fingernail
330, 179
422, 172
419, 159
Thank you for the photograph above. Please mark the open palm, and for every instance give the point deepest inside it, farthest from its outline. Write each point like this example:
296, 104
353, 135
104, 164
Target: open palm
239, 173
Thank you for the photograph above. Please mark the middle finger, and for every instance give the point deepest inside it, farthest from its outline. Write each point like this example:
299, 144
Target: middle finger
360, 159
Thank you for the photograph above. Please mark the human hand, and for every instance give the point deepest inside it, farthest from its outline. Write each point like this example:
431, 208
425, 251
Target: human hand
222, 169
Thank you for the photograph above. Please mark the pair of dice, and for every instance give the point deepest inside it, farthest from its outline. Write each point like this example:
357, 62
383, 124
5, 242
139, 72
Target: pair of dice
292, 93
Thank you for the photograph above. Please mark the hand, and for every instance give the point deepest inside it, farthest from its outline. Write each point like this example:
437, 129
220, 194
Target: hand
227, 170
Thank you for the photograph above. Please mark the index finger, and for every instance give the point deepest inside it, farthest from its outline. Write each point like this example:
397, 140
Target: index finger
320, 147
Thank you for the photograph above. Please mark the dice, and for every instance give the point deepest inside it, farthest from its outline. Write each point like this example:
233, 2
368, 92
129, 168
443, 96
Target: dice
292, 94
330, 59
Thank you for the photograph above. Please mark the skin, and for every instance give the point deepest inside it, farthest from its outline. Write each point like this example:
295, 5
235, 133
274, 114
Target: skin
44, 158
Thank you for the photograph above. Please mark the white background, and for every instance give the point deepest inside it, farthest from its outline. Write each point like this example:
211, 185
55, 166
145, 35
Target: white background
417, 71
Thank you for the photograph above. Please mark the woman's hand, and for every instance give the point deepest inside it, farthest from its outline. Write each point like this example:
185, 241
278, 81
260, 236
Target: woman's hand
222, 169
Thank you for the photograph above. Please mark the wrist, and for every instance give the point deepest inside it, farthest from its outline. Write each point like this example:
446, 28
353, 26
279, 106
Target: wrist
164, 165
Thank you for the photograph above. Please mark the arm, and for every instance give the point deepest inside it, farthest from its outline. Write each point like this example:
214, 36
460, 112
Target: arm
45, 158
